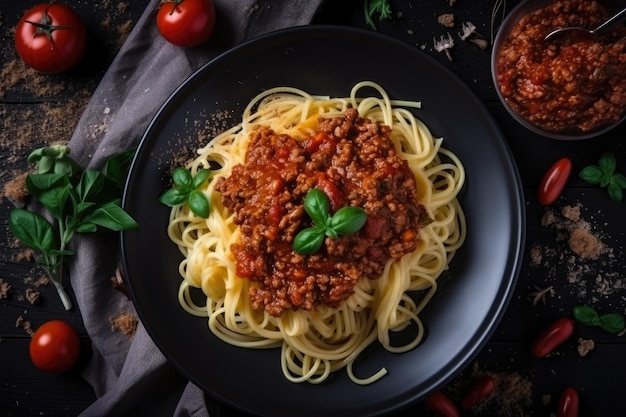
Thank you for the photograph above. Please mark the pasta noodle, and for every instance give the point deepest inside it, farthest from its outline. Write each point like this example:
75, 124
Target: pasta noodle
315, 343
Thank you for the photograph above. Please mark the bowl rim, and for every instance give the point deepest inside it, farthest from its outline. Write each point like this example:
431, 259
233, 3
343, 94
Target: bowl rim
522, 8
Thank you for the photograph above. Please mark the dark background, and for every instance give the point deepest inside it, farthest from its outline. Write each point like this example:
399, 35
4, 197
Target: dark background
36, 110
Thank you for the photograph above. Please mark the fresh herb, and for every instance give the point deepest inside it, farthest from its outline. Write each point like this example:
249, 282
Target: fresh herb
612, 322
185, 190
77, 201
382, 8
604, 174
345, 221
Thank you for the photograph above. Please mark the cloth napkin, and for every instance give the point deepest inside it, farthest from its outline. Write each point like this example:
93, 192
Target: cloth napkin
130, 376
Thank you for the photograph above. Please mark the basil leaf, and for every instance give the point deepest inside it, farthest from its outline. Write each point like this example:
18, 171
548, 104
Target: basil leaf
615, 192
612, 323
316, 205
118, 165
200, 177
33, 230
309, 240
83, 207
38, 183
591, 174
586, 315
90, 184
35, 156
45, 165
619, 180
55, 199
182, 178
607, 163
348, 220
64, 166
199, 204
112, 217
605, 180
174, 197
86, 228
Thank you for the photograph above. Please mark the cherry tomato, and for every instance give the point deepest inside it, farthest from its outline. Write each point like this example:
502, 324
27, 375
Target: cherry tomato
568, 403
553, 181
479, 390
555, 334
186, 23
51, 37
441, 405
55, 347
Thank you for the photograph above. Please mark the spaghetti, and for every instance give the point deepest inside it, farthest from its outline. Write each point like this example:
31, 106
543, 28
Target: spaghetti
316, 342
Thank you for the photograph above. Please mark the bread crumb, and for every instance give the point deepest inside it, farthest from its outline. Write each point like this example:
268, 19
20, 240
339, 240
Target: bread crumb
548, 218
15, 190
571, 213
33, 296
585, 346
5, 289
24, 324
446, 19
584, 244
535, 255
125, 323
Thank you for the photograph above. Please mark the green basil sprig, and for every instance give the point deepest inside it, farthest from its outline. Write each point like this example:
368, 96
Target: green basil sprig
612, 323
382, 8
78, 202
185, 190
604, 174
345, 221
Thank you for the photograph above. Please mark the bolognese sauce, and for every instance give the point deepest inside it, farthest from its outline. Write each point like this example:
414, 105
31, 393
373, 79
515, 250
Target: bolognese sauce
570, 82
354, 162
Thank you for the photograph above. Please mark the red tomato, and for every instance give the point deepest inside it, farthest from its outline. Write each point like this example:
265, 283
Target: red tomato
555, 334
553, 181
479, 390
186, 23
568, 403
441, 405
51, 38
55, 347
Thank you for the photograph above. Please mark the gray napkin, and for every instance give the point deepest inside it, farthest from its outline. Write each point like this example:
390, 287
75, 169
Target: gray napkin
130, 376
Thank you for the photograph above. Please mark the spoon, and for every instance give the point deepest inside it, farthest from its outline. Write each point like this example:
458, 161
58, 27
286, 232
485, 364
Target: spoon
618, 18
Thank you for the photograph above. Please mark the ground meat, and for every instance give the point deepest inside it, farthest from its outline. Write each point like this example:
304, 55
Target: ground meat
354, 162
570, 82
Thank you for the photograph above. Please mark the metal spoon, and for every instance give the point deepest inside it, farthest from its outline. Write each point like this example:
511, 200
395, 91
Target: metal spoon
618, 18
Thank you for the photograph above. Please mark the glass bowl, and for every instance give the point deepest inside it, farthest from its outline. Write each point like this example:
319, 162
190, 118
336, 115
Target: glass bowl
560, 88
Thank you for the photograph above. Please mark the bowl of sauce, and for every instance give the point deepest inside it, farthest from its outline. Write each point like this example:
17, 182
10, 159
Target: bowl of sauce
570, 87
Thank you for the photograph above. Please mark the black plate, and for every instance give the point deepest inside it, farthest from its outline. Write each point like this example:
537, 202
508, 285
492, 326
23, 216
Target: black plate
472, 298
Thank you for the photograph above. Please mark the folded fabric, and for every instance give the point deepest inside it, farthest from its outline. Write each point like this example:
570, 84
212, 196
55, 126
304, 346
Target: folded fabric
130, 376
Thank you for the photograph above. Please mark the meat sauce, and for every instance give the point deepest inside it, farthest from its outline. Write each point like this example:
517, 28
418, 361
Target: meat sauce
355, 163
572, 81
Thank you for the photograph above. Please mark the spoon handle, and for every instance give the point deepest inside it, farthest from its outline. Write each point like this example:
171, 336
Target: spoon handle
611, 23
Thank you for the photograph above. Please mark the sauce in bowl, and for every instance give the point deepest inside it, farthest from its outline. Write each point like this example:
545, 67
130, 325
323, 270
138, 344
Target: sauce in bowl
571, 83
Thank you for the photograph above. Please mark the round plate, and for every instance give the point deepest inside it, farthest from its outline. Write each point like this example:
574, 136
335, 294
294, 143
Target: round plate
473, 294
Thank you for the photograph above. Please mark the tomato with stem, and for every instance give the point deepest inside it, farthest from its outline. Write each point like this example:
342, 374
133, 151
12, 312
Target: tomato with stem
186, 23
51, 38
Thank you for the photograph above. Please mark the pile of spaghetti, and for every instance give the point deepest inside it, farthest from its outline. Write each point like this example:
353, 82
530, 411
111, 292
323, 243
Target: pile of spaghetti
319, 337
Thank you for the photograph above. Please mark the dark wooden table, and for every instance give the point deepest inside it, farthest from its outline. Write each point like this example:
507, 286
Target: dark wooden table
36, 110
